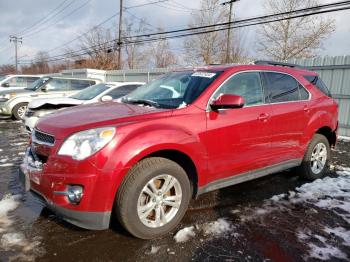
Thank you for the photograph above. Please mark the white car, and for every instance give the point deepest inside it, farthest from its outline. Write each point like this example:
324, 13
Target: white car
40, 107
9, 82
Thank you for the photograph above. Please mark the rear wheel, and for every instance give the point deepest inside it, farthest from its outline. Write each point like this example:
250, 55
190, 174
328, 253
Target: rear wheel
19, 111
316, 160
153, 197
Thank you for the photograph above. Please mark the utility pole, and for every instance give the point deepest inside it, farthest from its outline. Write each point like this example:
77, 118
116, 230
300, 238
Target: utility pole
16, 40
120, 33
228, 43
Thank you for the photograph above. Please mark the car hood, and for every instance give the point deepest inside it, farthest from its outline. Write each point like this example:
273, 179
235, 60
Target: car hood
54, 102
15, 90
68, 121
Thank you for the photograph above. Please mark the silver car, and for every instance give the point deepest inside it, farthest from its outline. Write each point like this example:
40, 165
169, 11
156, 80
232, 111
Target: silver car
9, 82
100, 92
13, 103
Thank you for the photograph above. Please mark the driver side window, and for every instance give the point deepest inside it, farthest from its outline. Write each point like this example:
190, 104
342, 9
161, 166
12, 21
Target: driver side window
247, 85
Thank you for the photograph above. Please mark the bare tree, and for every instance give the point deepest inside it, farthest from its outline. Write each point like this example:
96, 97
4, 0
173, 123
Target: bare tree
293, 38
210, 47
41, 62
137, 54
7, 69
161, 53
98, 50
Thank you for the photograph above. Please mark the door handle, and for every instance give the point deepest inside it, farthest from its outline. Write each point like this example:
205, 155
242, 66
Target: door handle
306, 109
263, 117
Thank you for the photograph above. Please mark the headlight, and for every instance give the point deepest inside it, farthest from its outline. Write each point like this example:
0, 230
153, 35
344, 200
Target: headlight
86, 143
4, 98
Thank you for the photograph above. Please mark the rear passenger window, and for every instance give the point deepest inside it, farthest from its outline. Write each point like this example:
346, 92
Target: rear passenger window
280, 87
31, 80
122, 91
247, 85
80, 84
316, 81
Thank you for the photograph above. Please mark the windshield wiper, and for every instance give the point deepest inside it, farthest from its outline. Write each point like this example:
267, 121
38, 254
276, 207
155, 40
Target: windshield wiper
141, 101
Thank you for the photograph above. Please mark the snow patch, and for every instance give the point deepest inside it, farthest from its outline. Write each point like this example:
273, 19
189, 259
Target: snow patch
331, 193
154, 250
217, 227
340, 232
12, 239
277, 198
344, 138
322, 250
6, 164
326, 252
7, 204
184, 234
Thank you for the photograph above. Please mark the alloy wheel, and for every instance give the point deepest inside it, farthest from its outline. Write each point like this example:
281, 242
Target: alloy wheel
159, 201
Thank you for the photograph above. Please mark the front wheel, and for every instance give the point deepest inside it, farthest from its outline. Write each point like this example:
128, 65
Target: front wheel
153, 197
316, 159
19, 111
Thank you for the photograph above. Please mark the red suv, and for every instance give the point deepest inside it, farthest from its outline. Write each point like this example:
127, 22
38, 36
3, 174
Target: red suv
142, 159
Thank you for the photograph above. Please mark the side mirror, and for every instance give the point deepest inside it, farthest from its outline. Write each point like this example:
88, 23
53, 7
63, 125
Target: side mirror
106, 98
44, 89
5, 84
225, 101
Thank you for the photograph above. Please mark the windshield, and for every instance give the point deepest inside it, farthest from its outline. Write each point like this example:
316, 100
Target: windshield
2, 77
173, 89
90, 92
37, 83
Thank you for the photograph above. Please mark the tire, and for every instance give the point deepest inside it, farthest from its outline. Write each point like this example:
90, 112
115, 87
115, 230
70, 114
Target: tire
19, 111
306, 169
131, 198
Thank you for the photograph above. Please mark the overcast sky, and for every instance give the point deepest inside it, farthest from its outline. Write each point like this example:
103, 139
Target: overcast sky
18, 15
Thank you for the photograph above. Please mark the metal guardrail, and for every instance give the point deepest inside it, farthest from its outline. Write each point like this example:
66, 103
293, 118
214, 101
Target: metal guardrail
328, 67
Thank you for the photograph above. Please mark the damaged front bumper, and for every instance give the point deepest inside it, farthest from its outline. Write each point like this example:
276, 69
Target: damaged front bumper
31, 177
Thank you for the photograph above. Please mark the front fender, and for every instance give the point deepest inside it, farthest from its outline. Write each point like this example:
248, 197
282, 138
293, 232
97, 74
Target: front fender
16, 100
130, 147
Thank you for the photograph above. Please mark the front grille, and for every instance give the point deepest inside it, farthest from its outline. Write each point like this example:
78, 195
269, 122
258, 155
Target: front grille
29, 113
41, 137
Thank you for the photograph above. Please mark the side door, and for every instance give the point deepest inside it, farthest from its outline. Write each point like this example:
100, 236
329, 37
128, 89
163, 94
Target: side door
30, 80
55, 87
290, 114
239, 139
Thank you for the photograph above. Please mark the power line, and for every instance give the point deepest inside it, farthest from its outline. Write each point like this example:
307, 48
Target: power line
101, 23
86, 32
221, 26
44, 18
69, 14
149, 3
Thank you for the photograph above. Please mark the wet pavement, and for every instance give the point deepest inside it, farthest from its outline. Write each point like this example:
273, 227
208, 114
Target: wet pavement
257, 228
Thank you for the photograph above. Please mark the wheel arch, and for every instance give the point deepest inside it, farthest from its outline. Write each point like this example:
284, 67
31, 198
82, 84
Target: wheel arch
183, 160
329, 134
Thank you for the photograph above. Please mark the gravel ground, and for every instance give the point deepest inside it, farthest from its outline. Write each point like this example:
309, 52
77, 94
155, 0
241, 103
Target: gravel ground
277, 218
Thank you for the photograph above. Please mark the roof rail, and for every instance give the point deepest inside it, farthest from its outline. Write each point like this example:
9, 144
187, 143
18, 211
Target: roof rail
266, 62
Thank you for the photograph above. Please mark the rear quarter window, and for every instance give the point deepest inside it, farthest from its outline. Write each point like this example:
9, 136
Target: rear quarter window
317, 81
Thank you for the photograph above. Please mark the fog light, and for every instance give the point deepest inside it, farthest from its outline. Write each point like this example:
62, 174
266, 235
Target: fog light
74, 194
